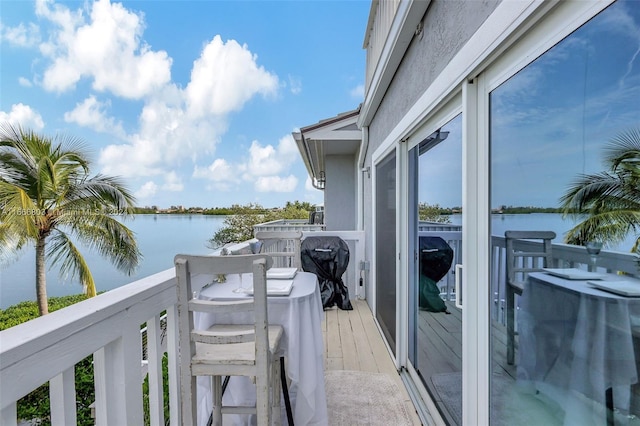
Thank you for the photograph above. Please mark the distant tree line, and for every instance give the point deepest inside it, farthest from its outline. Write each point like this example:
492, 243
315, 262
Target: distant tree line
238, 226
234, 209
436, 213
528, 209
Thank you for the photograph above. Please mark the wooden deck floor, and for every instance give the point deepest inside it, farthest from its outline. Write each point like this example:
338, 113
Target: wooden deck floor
440, 340
440, 349
352, 342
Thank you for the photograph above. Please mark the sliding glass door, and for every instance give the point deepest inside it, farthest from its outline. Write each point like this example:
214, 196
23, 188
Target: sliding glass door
555, 130
385, 246
435, 323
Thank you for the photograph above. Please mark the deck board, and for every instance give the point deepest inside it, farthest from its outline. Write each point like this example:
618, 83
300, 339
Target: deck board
353, 342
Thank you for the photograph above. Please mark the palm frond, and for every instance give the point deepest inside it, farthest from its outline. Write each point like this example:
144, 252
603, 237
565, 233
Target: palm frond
114, 241
107, 190
610, 200
624, 147
18, 211
62, 252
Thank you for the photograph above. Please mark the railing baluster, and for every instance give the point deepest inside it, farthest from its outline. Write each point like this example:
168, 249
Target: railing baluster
117, 380
174, 362
62, 398
9, 415
154, 358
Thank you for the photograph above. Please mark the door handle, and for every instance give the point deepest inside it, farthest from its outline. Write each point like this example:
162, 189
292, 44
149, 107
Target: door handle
458, 272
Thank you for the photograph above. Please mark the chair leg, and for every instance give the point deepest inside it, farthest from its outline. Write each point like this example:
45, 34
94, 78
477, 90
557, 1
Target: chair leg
263, 399
217, 400
609, 405
225, 383
276, 416
510, 326
285, 391
188, 399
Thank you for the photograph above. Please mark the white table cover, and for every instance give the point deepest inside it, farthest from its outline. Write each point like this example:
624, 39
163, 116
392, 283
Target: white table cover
301, 315
575, 343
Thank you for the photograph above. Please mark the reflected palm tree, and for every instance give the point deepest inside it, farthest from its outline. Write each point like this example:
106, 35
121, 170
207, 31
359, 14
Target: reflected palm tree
608, 202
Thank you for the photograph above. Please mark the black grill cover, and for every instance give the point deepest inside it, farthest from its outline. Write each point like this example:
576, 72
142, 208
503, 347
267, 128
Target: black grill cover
435, 260
328, 258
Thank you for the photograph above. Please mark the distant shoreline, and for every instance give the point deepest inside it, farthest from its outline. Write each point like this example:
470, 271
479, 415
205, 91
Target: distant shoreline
231, 211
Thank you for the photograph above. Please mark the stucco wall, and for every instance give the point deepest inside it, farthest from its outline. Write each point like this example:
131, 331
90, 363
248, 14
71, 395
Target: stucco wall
340, 207
447, 27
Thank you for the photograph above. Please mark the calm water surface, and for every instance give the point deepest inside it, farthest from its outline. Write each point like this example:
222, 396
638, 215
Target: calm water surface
540, 222
160, 238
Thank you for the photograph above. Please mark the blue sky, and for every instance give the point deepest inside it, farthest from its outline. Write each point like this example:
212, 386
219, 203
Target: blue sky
192, 102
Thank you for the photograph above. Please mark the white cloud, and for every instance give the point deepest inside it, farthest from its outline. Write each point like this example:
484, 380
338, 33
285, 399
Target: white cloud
295, 84
21, 35
172, 182
106, 47
91, 113
225, 77
188, 124
24, 82
140, 158
219, 170
276, 184
308, 185
24, 116
222, 175
263, 168
147, 190
269, 161
102, 43
357, 92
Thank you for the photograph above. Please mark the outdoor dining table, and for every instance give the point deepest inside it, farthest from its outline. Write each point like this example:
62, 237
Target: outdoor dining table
301, 315
577, 347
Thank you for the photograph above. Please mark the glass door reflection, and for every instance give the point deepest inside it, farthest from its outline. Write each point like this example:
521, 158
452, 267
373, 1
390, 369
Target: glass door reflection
435, 323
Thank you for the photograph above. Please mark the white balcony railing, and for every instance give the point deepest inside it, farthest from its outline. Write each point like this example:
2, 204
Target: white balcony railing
127, 331
107, 326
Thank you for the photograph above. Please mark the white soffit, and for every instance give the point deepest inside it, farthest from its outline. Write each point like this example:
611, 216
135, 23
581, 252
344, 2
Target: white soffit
339, 135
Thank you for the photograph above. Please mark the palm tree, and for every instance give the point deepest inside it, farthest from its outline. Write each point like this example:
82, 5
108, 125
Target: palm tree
47, 195
610, 200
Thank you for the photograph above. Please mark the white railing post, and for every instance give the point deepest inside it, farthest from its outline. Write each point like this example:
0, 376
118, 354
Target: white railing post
154, 358
173, 352
117, 381
46, 349
9, 415
62, 398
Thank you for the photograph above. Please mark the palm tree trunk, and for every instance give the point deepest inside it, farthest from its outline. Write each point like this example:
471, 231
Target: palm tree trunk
41, 277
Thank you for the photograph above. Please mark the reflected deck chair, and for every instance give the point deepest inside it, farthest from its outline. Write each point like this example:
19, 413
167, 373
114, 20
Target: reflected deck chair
527, 251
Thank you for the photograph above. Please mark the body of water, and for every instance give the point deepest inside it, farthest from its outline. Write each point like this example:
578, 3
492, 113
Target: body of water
160, 238
540, 222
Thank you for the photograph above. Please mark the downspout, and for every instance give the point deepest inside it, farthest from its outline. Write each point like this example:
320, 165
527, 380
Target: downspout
361, 168
364, 267
314, 181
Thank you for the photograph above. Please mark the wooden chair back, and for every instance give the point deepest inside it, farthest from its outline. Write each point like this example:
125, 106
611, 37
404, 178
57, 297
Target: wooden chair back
527, 256
282, 244
527, 251
190, 268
